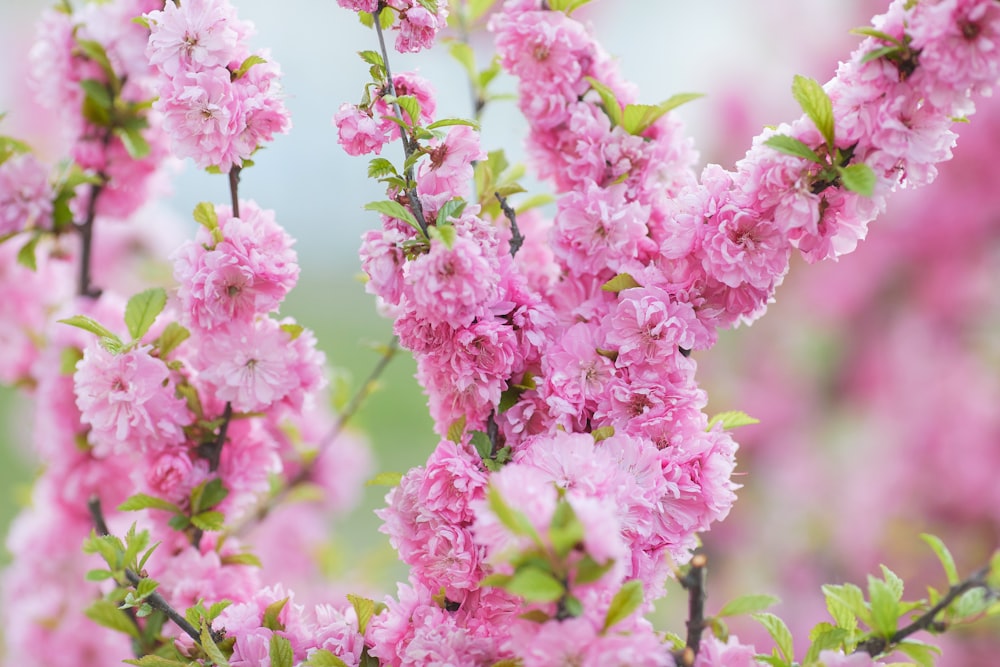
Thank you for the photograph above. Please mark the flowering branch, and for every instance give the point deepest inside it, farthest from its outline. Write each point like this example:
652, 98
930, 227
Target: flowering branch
694, 583
876, 646
409, 145
155, 600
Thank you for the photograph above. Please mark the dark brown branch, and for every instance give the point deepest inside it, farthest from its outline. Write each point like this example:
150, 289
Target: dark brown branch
875, 646
211, 451
155, 600
409, 145
516, 238
694, 583
234, 187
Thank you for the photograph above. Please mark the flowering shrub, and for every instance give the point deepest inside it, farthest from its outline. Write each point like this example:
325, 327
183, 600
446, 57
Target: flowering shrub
576, 466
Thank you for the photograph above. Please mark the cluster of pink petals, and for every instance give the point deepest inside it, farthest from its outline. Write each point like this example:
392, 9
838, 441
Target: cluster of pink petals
416, 25
213, 112
363, 129
25, 195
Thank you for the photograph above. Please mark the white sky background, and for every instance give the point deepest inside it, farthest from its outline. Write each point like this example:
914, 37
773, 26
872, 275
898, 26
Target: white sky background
724, 48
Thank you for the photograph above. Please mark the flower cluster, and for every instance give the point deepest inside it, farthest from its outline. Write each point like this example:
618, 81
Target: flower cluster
219, 102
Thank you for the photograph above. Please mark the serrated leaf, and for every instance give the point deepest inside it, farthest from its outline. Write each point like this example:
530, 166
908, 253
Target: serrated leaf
824, 637
565, 529
626, 600
893, 581
971, 603
142, 310
456, 430
94, 327
448, 122
280, 652
515, 521
792, 146
619, 283
153, 660
858, 177
135, 144
95, 51
324, 658
394, 210
588, 570
98, 92
205, 215
209, 520
602, 433
924, 655
271, 613
446, 235
731, 419
568, 6
779, 632
98, 575
173, 335
410, 105
372, 58
145, 587
611, 105
385, 479
535, 585
481, 443
450, 209
846, 604
243, 558
246, 65
881, 52
379, 167
637, 118
210, 648
747, 604
107, 614
816, 104
877, 34
885, 610
207, 495
364, 608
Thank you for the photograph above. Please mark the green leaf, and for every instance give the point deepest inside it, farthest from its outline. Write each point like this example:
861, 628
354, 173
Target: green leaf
410, 105
379, 167
152, 660
877, 34
98, 575
568, 6
845, 603
26, 255
637, 118
448, 122
922, 654
625, 601
94, 327
385, 479
146, 587
535, 585
859, 178
481, 443
280, 652
446, 235
173, 335
619, 283
602, 433
588, 570
95, 51
364, 608
816, 104
141, 501
394, 210
515, 521
209, 520
824, 637
142, 309
107, 613
135, 144
210, 648
565, 529
509, 398
450, 209
731, 419
98, 93
747, 604
612, 106
779, 632
244, 558
456, 430
292, 329
271, 613
205, 215
324, 658
885, 607
792, 146
207, 495
69, 357
893, 581
246, 65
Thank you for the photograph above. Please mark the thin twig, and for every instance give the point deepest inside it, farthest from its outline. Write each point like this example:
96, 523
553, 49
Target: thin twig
516, 238
155, 600
875, 646
694, 583
409, 147
234, 187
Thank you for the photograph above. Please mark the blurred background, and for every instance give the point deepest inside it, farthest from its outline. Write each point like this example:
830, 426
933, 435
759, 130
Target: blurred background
875, 378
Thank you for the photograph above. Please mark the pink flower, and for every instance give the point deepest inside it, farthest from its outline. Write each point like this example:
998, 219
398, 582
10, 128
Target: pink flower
128, 401
714, 653
449, 167
450, 285
453, 478
741, 247
598, 229
201, 114
25, 195
357, 131
417, 29
195, 35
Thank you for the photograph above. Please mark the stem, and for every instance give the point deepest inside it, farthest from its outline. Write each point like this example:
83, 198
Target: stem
155, 600
409, 146
306, 472
516, 238
234, 186
875, 646
694, 583
84, 288
211, 451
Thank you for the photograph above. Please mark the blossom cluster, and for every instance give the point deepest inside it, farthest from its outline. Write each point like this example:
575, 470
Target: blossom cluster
219, 101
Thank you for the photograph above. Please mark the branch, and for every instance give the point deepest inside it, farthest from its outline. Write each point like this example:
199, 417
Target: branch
516, 238
211, 451
234, 186
155, 600
694, 583
409, 146
86, 229
875, 646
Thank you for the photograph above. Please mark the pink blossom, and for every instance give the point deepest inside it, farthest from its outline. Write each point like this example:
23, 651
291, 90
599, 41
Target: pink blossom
450, 285
598, 229
714, 653
195, 35
358, 133
741, 247
201, 114
359, 5
25, 195
448, 169
453, 478
128, 401
417, 29
382, 260
648, 326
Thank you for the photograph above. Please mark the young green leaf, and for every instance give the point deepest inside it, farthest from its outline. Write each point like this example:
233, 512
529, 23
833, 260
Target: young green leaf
445, 235
481, 443
26, 255
535, 585
394, 210
792, 146
209, 646
779, 632
885, 607
626, 600
141, 501
153, 660
924, 655
271, 614
135, 144
246, 65
859, 178
209, 520
364, 609
106, 613
173, 335
448, 122
731, 419
747, 604
323, 658
816, 104
385, 479
515, 520
612, 106
205, 215
94, 327
450, 209
619, 283
142, 309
